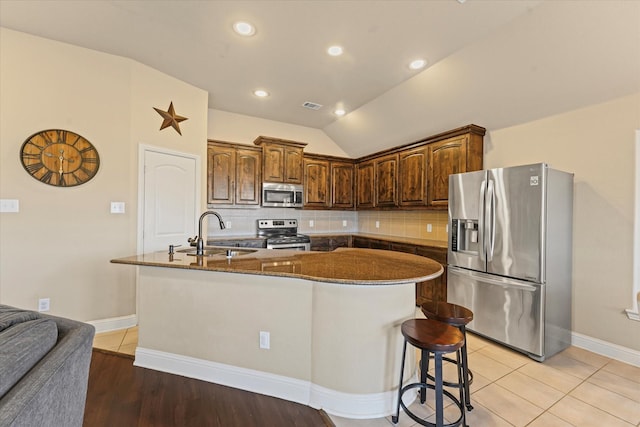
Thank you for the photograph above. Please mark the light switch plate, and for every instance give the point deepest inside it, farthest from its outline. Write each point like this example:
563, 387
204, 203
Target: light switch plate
9, 205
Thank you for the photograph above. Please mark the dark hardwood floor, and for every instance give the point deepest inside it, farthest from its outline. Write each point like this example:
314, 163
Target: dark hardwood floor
121, 394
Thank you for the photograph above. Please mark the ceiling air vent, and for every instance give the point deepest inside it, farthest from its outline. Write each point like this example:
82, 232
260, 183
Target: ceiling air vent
312, 105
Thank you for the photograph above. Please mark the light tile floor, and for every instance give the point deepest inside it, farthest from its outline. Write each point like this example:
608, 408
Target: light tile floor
121, 341
573, 388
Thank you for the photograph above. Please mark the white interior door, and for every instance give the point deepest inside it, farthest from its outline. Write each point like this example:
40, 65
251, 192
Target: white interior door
170, 198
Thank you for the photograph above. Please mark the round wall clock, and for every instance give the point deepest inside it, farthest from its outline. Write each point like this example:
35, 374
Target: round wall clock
60, 158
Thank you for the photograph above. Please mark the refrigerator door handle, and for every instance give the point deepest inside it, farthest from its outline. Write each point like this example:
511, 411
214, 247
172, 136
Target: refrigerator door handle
486, 278
481, 230
492, 212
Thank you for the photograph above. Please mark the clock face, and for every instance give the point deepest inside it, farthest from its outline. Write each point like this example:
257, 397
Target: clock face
60, 158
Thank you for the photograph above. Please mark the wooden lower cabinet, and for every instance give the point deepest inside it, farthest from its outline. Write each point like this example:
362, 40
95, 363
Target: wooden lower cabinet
436, 289
329, 243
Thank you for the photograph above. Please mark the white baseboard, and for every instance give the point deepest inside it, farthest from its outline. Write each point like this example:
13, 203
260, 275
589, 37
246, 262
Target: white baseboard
114, 323
608, 349
346, 405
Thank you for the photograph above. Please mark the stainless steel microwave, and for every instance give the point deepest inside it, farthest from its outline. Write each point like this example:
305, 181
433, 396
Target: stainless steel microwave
281, 195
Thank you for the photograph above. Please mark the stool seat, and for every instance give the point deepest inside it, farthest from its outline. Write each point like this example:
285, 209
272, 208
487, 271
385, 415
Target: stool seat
456, 316
437, 338
431, 335
447, 312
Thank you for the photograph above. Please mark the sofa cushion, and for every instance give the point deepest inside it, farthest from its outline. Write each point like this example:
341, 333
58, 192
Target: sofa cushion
10, 316
21, 347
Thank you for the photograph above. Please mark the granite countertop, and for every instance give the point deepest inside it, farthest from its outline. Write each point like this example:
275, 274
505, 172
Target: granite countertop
344, 265
387, 238
394, 239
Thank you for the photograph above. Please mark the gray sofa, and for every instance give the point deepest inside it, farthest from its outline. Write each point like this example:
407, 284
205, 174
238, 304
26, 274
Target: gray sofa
44, 369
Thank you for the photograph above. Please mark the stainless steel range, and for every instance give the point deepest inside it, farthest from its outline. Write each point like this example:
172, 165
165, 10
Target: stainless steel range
283, 234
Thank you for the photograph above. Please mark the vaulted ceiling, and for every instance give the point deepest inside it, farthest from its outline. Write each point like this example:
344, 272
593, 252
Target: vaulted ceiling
492, 63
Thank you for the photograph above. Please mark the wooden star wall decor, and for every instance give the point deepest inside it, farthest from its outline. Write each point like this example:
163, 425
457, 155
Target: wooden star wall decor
170, 118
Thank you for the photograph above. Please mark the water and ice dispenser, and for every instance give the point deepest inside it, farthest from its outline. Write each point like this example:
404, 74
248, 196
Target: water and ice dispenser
464, 235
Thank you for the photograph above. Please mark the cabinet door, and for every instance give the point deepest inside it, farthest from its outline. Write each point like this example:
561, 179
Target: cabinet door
316, 183
412, 177
445, 157
342, 185
436, 289
273, 163
292, 165
386, 181
247, 187
365, 185
221, 173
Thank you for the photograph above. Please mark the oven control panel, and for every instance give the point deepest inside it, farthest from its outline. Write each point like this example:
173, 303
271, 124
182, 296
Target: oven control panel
277, 223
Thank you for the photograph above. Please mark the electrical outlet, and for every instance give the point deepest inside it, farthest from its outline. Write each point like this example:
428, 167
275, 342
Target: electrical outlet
265, 339
344, 222
311, 223
429, 228
117, 207
377, 224
44, 304
227, 224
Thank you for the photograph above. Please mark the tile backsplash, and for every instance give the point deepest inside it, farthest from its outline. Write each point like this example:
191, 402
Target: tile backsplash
415, 224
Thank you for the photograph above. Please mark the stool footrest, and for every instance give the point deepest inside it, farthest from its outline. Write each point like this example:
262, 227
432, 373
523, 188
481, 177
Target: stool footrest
447, 383
420, 420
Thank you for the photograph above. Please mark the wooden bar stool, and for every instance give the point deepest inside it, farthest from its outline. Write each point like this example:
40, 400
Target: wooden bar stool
431, 336
457, 316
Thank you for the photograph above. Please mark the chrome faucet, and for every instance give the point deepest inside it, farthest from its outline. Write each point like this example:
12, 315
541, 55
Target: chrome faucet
198, 241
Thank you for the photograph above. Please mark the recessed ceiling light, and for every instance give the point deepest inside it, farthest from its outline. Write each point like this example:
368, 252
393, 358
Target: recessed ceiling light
261, 93
244, 28
339, 112
335, 50
417, 64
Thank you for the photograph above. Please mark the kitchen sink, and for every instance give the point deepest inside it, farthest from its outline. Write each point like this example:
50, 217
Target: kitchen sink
216, 251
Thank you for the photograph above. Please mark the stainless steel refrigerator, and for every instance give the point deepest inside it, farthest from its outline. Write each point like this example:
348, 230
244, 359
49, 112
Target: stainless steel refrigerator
509, 258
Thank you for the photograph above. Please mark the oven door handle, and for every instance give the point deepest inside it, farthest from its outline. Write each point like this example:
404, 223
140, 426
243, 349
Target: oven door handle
301, 246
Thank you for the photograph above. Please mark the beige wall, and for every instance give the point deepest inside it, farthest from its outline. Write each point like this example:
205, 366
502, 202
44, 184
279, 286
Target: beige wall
597, 144
59, 245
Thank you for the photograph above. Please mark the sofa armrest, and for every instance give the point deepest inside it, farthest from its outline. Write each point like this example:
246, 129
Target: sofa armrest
54, 392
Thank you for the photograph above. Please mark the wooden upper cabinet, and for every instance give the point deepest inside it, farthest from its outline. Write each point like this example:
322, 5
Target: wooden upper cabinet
416, 175
233, 174
386, 169
342, 185
273, 156
445, 158
365, 185
293, 159
282, 159
412, 177
458, 154
328, 182
248, 182
220, 173
316, 183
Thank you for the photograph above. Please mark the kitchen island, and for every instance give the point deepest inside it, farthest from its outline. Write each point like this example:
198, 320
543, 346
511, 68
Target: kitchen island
330, 322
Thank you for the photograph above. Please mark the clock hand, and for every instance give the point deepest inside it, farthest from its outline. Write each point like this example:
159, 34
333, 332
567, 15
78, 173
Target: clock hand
61, 158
